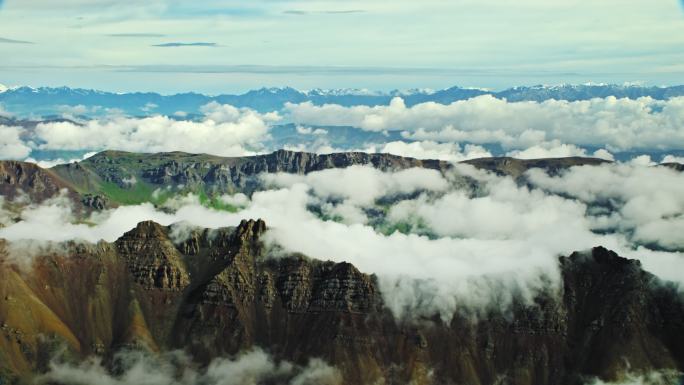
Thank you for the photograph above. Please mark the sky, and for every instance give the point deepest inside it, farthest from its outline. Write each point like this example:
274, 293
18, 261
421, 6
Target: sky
215, 46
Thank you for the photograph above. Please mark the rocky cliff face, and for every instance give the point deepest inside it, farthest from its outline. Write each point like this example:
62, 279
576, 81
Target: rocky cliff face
217, 292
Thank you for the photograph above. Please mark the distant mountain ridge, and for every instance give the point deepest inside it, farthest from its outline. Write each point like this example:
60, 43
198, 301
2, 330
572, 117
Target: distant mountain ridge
48, 101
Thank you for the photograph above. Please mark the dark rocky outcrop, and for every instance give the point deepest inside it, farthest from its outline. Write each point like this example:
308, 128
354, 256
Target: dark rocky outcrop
217, 292
517, 167
675, 166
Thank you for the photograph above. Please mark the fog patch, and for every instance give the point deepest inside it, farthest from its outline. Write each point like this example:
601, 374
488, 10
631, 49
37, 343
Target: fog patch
252, 367
661, 377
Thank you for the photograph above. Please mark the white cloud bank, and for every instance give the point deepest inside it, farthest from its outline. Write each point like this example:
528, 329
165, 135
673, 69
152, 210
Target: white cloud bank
452, 132
428, 149
11, 145
673, 159
556, 149
225, 130
645, 202
620, 124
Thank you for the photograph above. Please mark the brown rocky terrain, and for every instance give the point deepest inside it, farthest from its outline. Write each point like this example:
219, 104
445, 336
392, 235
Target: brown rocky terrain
18, 178
214, 293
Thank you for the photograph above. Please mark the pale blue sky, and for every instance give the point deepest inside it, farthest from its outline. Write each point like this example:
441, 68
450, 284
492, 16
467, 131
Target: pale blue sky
230, 46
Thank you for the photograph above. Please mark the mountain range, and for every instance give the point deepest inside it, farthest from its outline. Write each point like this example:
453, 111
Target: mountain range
45, 101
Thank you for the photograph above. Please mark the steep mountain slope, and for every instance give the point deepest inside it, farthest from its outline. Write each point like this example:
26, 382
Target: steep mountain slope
24, 180
216, 292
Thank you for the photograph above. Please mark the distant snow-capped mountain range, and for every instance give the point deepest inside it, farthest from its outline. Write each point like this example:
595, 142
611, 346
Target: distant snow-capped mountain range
53, 101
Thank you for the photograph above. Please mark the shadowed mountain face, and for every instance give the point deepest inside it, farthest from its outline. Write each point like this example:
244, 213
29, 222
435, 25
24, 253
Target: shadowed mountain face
215, 293
112, 178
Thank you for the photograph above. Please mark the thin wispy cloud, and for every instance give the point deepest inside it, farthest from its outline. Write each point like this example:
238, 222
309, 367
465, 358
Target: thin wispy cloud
344, 12
181, 44
299, 12
13, 41
134, 35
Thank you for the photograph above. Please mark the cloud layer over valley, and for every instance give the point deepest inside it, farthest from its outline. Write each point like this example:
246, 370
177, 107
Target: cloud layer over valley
619, 124
468, 238
224, 130
479, 127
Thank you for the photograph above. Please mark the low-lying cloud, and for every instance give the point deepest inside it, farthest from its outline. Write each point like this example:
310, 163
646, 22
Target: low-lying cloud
225, 130
188, 44
4, 40
11, 145
620, 124
475, 128
645, 202
426, 149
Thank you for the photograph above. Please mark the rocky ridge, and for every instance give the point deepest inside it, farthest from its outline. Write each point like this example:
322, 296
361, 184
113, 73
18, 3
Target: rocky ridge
112, 178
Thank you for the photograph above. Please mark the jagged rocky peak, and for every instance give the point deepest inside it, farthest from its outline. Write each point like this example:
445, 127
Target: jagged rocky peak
156, 262
152, 258
251, 230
